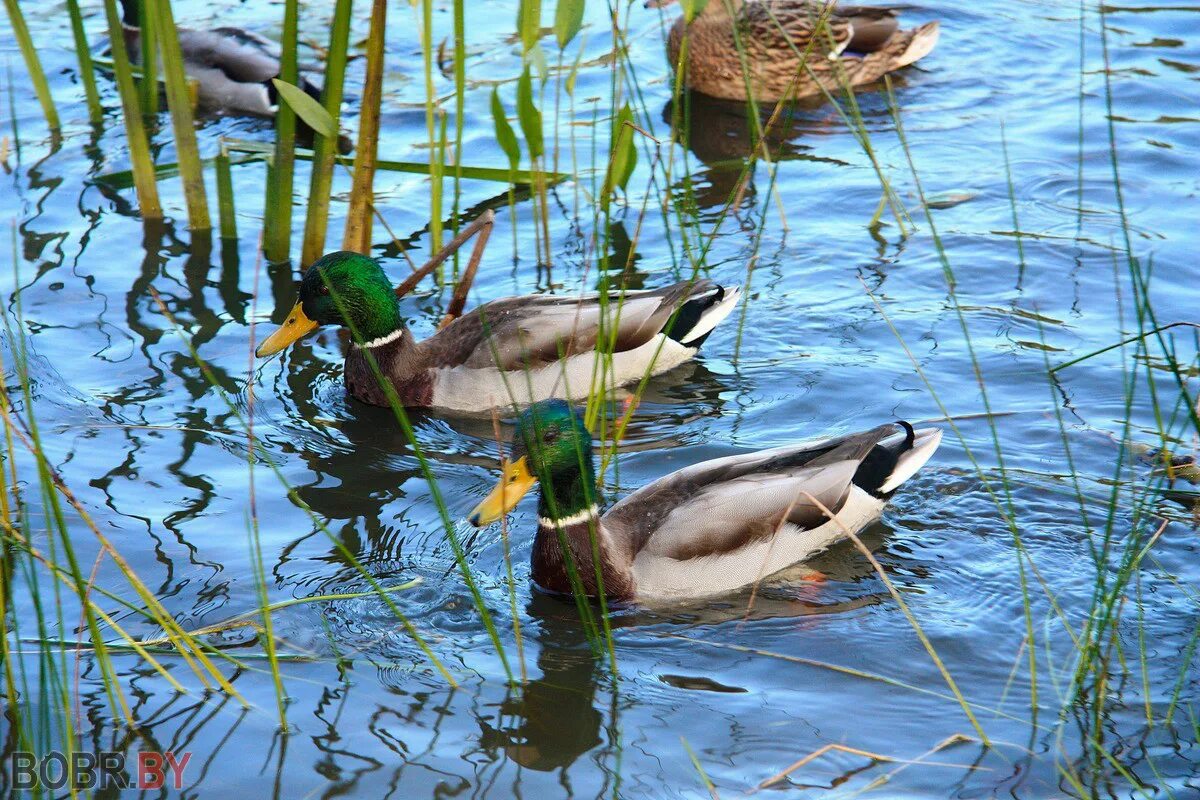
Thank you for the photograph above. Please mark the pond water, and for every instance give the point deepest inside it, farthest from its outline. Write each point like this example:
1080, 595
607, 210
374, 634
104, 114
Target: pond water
158, 457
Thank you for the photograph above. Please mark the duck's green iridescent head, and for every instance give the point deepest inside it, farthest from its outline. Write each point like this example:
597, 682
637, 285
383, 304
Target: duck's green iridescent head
345, 289
552, 445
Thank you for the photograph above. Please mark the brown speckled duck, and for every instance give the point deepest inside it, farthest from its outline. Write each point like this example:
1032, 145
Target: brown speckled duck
515, 350
856, 45
709, 528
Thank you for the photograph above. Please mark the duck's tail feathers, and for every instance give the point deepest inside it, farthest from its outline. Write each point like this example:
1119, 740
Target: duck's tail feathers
703, 312
918, 448
920, 44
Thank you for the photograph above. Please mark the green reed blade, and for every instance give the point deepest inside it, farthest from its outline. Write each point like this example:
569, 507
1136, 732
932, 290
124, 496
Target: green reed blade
529, 116
529, 22
259, 151
225, 206
135, 130
317, 220
431, 106
148, 42
33, 64
505, 137
357, 235
568, 19
86, 74
179, 101
277, 216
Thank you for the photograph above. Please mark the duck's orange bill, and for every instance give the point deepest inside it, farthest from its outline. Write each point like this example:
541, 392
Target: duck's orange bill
513, 485
298, 325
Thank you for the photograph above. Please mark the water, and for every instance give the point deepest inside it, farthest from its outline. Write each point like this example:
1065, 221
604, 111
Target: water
159, 460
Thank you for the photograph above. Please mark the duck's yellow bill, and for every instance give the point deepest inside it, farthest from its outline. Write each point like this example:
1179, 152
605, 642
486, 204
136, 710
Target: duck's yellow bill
297, 326
513, 485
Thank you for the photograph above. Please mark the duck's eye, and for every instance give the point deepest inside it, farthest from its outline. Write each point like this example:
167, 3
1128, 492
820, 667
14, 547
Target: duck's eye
550, 436
324, 289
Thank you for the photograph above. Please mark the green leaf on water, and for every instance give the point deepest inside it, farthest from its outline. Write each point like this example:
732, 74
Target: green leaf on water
528, 115
624, 154
505, 137
529, 22
307, 109
568, 19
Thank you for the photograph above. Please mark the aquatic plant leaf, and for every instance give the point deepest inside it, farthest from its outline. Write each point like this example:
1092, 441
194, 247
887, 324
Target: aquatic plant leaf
505, 136
307, 109
624, 154
529, 116
529, 22
568, 19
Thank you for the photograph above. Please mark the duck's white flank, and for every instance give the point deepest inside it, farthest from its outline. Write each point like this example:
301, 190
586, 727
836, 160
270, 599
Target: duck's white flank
464, 389
585, 515
657, 577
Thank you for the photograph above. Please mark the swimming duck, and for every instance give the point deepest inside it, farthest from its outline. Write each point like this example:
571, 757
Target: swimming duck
862, 43
709, 528
512, 350
232, 67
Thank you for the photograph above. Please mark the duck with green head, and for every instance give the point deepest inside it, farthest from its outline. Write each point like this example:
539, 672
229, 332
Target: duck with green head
709, 528
514, 350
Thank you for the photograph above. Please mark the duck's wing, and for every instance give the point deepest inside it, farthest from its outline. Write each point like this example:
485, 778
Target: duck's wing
534, 331
729, 504
871, 26
776, 26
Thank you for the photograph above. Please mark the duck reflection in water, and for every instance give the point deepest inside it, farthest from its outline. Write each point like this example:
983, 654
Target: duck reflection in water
722, 135
554, 719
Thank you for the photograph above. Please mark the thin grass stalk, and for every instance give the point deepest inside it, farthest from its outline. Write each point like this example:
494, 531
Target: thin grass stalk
460, 98
277, 217
357, 235
325, 148
148, 44
87, 74
33, 65
140, 159
225, 203
179, 101
435, 163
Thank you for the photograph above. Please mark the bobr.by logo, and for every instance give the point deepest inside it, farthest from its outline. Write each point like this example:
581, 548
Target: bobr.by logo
103, 770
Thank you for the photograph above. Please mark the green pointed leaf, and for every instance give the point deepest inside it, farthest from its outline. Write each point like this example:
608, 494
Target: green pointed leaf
307, 109
623, 150
505, 136
529, 22
528, 115
568, 19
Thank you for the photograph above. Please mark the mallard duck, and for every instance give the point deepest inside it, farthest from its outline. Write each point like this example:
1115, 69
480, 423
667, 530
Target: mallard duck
232, 67
512, 350
709, 528
862, 44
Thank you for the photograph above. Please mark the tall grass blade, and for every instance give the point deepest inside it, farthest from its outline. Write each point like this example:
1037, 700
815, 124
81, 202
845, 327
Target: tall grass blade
179, 101
277, 218
357, 236
87, 75
135, 130
33, 64
325, 147
148, 44
225, 204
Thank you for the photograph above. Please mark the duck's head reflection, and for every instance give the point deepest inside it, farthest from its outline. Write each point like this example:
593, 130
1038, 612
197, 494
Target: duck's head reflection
553, 720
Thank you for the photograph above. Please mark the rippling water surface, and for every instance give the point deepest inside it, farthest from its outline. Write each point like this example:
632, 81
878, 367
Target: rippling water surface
159, 458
